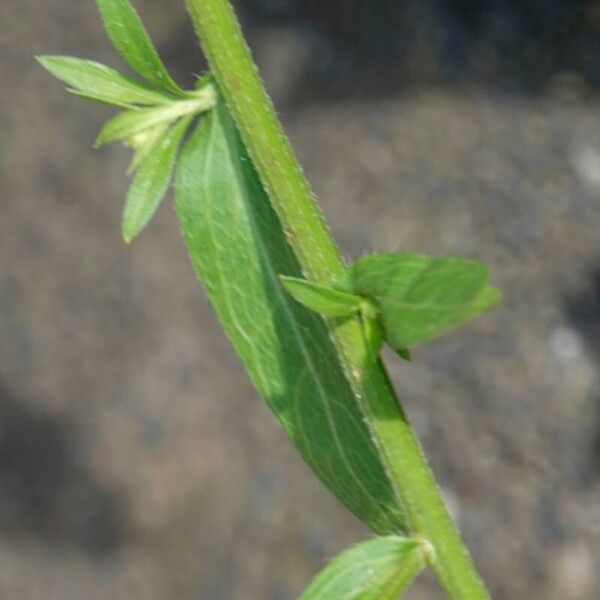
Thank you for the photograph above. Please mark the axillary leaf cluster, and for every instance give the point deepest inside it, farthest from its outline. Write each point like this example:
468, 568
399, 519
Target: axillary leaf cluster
410, 298
156, 112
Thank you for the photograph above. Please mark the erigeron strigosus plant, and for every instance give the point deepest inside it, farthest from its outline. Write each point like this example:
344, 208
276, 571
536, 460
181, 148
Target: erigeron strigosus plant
307, 327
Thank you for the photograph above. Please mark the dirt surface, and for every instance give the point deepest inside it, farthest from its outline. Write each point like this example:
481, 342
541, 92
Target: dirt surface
136, 461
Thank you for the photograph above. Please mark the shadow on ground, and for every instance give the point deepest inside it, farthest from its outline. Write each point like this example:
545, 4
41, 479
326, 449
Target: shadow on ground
583, 310
352, 48
45, 490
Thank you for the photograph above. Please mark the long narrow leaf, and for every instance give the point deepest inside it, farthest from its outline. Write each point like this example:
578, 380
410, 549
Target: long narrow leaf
151, 181
238, 248
321, 298
131, 40
379, 569
152, 137
99, 82
129, 123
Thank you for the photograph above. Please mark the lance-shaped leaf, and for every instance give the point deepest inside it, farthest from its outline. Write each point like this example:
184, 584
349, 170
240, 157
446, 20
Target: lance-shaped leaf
131, 40
336, 303
143, 144
420, 297
238, 249
379, 569
151, 181
98, 82
129, 123
324, 299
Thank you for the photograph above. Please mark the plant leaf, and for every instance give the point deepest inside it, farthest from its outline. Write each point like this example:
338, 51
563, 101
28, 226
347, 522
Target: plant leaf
322, 299
379, 569
336, 303
129, 123
143, 147
422, 297
151, 181
95, 81
131, 40
238, 248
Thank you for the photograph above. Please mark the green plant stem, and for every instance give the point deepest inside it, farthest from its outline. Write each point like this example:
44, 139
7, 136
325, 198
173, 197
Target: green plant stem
319, 257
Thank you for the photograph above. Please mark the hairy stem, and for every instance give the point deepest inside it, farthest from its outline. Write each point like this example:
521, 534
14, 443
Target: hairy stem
319, 257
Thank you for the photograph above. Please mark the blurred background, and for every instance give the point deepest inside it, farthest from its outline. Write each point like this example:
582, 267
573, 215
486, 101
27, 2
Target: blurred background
136, 461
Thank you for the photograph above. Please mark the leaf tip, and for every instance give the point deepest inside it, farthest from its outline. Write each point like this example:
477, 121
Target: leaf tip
100, 139
128, 232
45, 61
491, 298
285, 280
289, 284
